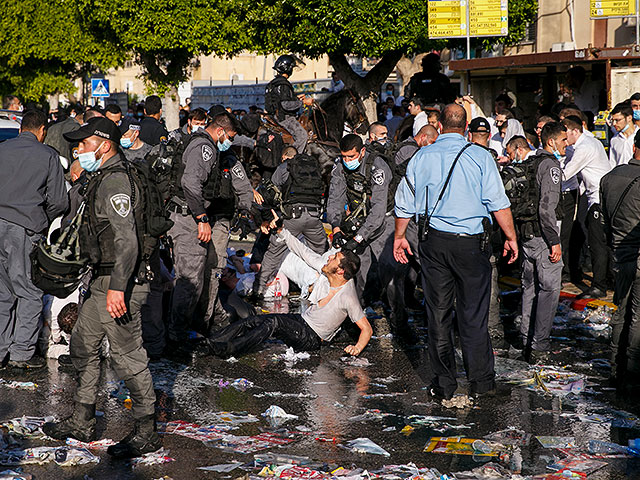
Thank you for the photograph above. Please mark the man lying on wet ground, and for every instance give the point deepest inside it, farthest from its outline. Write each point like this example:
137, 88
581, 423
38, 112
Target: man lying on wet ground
333, 301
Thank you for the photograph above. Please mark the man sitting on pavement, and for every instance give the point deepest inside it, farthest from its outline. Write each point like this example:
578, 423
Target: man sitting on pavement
320, 322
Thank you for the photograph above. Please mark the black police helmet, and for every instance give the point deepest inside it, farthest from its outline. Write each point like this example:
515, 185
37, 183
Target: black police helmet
285, 64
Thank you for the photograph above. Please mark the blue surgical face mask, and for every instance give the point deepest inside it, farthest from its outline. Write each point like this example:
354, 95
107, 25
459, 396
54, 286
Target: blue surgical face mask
88, 160
556, 154
126, 142
224, 146
351, 164
636, 114
625, 128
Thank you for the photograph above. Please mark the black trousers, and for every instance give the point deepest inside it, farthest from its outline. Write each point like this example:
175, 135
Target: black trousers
455, 269
246, 334
598, 247
568, 201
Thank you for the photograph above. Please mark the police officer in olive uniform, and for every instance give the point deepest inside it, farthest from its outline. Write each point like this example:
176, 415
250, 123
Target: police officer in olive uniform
299, 180
400, 279
541, 250
281, 101
357, 204
191, 232
226, 189
111, 308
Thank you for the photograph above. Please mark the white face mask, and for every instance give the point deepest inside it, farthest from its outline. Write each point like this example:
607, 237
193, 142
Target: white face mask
196, 128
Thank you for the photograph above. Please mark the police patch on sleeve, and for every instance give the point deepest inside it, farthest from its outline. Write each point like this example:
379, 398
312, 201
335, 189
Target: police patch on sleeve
378, 176
238, 171
121, 203
556, 175
207, 153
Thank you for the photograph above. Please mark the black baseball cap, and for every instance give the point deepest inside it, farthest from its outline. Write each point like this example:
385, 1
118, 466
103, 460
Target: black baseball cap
479, 124
99, 126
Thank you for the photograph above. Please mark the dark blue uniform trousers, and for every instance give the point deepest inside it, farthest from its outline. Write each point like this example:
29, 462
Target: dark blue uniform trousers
455, 269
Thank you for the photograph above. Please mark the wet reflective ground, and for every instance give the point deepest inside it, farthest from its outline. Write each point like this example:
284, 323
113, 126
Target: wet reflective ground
325, 392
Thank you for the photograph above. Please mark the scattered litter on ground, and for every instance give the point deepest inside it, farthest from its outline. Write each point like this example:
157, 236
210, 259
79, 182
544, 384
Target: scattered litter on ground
242, 384
458, 401
460, 446
280, 459
291, 357
222, 468
100, 445
63, 456
297, 372
285, 395
154, 458
364, 445
276, 416
232, 360
373, 414
356, 361
577, 465
546, 379
556, 442
255, 443
16, 474
18, 385
509, 436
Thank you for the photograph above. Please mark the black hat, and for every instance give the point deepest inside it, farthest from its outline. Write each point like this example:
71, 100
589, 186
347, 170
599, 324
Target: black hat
479, 124
99, 126
636, 139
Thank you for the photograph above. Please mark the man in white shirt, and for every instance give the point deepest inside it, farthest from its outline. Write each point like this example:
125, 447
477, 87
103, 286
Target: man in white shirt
587, 159
331, 303
621, 150
420, 118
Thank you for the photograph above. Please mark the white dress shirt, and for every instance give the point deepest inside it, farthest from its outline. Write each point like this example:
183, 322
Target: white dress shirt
420, 121
621, 149
588, 160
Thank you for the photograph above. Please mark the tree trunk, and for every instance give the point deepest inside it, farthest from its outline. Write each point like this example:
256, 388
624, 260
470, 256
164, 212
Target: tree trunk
407, 67
172, 108
366, 87
54, 102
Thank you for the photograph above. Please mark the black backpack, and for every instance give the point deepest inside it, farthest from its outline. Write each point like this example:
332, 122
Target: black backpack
166, 166
268, 151
521, 187
304, 185
152, 220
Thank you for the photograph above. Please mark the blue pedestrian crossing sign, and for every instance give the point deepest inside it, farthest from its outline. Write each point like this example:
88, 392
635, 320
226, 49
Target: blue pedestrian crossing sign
99, 87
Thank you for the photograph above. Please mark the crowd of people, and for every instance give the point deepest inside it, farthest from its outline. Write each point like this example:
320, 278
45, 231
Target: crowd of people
442, 199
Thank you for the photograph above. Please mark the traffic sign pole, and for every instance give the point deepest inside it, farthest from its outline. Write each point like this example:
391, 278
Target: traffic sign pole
468, 32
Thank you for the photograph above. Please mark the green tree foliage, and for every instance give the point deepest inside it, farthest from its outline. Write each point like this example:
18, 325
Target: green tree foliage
43, 45
165, 35
368, 28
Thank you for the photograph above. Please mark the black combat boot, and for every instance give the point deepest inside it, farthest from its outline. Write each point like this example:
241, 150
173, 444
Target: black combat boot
81, 425
143, 439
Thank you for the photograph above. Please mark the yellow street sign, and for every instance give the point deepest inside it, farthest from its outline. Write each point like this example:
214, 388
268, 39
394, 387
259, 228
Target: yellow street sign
487, 18
612, 8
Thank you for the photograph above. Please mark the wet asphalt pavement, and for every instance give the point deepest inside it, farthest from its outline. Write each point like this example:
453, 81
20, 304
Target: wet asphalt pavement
332, 391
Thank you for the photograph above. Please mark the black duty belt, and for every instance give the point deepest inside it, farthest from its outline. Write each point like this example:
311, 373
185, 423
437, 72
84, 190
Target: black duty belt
454, 235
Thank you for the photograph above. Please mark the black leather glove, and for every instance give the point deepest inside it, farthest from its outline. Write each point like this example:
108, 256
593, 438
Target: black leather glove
338, 240
355, 247
124, 319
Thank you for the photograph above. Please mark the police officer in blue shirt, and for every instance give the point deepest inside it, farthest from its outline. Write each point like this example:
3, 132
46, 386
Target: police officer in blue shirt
451, 187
